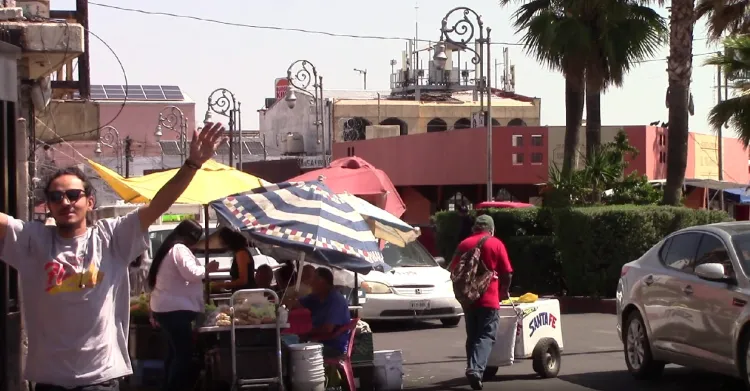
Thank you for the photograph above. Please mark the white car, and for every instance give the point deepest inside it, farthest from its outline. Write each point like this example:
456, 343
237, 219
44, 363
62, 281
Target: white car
416, 288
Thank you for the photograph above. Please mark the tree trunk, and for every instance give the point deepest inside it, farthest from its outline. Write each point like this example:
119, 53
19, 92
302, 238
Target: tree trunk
679, 71
574, 93
593, 118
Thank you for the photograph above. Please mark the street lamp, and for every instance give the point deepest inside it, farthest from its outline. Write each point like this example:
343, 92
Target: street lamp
109, 136
460, 35
223, 102
301, 79
362, 72
172, 118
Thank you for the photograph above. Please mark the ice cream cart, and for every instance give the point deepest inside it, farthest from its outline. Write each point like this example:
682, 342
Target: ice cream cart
528, 331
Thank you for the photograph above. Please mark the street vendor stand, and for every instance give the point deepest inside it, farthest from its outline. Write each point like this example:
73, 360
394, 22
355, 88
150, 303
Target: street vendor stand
530, 330
307, 219
254, 350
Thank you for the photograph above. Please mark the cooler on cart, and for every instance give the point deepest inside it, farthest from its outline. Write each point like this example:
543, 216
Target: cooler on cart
528, 331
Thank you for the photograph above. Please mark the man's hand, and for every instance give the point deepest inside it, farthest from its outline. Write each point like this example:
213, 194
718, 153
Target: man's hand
204, 144
202, 147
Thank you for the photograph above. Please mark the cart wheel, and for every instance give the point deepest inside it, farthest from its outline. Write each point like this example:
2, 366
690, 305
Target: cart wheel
546, 358
489, 373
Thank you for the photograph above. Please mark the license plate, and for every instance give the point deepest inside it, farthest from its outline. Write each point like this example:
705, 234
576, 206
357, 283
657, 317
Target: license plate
420, 305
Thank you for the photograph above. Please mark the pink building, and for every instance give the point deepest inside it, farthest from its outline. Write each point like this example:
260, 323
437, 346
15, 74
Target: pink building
137, 118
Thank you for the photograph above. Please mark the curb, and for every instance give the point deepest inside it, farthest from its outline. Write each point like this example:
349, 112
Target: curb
585, 305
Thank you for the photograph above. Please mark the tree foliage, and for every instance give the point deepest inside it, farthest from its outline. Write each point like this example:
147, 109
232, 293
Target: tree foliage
602, 180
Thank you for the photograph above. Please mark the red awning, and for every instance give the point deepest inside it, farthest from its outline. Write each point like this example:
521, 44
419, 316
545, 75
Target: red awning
358, 177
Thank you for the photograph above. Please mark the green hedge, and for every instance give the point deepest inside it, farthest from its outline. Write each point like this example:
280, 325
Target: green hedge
577, 251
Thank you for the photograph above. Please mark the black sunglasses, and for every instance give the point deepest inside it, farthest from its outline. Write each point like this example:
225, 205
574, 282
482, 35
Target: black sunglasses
72, 195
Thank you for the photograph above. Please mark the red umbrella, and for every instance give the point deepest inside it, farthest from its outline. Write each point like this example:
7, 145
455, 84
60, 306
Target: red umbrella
358, 177
502, 204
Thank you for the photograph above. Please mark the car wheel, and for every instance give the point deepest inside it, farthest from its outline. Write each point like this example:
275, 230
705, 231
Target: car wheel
451, 322
546, 358
489, 373
638, 358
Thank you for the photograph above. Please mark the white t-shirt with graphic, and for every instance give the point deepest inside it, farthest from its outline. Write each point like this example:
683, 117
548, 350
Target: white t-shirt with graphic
76, 298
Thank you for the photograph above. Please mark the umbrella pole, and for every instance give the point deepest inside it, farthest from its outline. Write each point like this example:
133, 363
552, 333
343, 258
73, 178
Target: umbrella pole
207, 280
355, 302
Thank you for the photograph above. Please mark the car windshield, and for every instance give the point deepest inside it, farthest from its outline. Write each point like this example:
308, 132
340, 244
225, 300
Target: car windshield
741, 244
413, 255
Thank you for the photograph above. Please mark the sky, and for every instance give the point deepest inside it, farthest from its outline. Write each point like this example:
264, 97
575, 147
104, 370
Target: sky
200, 56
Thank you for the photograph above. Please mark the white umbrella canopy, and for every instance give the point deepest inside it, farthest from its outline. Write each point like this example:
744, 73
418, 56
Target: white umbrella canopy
383, 224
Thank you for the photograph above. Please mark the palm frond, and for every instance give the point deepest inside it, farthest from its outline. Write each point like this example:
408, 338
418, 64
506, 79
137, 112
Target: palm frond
734, 112
724, 17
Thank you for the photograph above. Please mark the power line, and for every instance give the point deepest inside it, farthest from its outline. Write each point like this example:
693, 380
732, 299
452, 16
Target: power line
665, 59
288, 29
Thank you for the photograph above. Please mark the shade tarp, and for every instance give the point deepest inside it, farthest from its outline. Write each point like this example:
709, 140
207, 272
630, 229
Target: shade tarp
356, 176
382, 224
308, 217
213, 181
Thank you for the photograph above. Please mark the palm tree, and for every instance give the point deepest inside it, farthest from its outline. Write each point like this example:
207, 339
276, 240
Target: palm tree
624, 32
724, 16
679, 73
735, 112
594, 44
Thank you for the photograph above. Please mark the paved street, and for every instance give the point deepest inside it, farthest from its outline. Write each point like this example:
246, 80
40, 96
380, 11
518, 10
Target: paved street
593, 360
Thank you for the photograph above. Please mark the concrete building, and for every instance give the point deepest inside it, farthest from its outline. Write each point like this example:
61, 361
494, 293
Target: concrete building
430, 169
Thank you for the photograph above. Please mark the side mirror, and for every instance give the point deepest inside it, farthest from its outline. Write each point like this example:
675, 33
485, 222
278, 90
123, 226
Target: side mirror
712, 272
441, 261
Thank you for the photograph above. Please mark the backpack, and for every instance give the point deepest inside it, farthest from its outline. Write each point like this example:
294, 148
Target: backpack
470, 276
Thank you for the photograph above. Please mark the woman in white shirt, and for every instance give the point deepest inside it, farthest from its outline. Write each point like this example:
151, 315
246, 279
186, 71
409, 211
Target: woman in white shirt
175, 279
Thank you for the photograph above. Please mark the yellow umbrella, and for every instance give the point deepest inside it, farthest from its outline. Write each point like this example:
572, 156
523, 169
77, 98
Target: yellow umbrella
212, 182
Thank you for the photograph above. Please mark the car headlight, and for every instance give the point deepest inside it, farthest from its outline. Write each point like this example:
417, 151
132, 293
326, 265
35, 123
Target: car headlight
375, 288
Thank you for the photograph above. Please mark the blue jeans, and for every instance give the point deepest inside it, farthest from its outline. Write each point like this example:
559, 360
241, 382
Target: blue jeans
111, 385
178, 327
481, 328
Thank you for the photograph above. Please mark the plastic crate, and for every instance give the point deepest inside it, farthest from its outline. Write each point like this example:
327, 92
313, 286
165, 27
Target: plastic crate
363, 348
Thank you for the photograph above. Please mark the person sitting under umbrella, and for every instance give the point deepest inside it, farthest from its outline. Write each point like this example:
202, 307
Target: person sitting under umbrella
330, 312
264, 277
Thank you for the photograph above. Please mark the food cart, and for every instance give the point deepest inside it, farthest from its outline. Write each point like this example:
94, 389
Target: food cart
528, 331
253, 321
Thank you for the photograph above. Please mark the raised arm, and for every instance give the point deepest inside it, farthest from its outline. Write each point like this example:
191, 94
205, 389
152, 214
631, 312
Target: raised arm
202, 147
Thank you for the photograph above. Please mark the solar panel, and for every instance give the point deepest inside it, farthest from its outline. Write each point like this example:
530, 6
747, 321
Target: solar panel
254, 147
170, 147
134, 92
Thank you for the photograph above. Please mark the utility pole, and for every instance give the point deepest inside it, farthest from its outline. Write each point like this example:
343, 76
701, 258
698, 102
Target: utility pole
128, 155
719, 135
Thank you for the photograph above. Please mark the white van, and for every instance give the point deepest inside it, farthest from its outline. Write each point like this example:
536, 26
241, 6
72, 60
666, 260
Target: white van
416, 288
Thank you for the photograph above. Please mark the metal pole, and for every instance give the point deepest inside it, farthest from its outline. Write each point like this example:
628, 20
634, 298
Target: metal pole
323, 128
719, 133
365, 79
231, 136
238, 113
490, 192
184, 137
316, 91
128, 154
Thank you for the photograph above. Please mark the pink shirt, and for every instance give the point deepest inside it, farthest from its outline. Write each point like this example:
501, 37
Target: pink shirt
179, 285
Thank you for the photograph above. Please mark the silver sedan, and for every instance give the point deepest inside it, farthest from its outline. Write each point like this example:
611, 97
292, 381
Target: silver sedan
685, 302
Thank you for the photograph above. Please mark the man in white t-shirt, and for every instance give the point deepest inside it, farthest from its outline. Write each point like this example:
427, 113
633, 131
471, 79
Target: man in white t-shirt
75, 276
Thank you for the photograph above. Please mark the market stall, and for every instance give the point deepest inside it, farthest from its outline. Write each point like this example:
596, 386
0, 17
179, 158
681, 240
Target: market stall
308, 219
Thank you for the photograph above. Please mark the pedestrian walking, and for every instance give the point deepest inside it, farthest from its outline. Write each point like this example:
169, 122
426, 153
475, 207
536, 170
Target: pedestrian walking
75, 276
480, 270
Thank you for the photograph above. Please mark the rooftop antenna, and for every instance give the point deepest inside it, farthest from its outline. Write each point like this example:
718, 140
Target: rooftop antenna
416, 42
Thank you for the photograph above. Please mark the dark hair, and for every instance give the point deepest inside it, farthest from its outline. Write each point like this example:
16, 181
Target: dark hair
88, 189
325, 274
264, 266
187, 232
286, 273
234, 240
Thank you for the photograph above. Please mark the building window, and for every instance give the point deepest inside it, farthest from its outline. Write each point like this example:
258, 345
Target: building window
536, 140
517, 159
662, 157
537, 158
516, 122
518, 140
436, 125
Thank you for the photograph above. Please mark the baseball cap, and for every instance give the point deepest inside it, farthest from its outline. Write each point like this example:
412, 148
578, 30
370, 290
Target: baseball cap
484, 223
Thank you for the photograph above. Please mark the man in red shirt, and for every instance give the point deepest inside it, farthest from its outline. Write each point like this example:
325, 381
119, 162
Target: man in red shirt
481, 317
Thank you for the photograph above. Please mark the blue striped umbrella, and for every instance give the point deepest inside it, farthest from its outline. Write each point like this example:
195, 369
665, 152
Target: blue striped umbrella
306, 216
